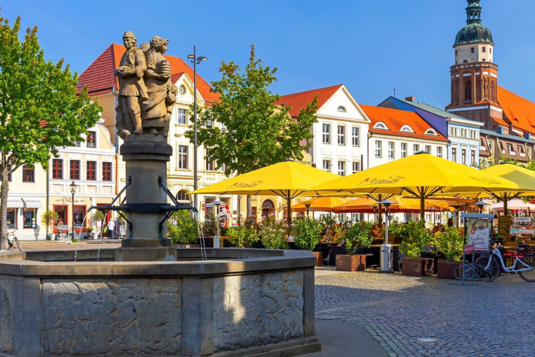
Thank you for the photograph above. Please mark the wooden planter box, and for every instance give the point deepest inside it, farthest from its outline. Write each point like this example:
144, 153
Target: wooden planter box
446, 270
319, 258
355, 262
412, 267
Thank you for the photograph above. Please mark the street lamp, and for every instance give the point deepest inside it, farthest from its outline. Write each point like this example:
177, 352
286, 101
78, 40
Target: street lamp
480, 205
217, 242
386, 249
195, 60
73, 191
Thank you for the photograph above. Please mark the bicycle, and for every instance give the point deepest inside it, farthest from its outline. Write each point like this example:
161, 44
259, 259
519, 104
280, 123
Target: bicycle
489, 266
13, 242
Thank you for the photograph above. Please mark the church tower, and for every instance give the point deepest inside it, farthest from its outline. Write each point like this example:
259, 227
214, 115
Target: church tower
474, 77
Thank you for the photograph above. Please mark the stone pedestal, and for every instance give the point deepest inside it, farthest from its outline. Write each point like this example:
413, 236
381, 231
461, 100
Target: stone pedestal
146, 158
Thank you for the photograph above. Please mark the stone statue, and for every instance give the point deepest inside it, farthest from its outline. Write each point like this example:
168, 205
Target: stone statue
132, 88
146, 92
156, 111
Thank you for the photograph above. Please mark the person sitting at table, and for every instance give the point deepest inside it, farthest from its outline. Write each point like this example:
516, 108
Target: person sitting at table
450, 222
328, 257
328, 236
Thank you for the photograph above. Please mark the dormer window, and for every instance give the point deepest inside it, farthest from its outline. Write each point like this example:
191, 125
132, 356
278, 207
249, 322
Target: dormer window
407, 129
380, 126
430, 132
342, 109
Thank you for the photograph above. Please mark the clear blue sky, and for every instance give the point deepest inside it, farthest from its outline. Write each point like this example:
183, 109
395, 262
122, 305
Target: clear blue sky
370, 46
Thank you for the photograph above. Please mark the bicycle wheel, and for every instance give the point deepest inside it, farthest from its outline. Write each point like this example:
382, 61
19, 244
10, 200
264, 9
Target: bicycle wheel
490, 273
528, 275
16, 241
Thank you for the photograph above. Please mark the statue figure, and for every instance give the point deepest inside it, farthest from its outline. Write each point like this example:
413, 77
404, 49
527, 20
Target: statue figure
156, 110
132, 88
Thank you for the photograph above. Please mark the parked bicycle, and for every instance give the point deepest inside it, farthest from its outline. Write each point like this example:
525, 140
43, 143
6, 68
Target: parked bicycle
13, 243
489, 265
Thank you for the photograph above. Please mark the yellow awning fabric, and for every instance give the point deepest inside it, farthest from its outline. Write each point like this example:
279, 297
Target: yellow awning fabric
320, 204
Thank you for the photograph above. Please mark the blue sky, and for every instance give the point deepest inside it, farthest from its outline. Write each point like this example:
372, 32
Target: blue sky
370, 46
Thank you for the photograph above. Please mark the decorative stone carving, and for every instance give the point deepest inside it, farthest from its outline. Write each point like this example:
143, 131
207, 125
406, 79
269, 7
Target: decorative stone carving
116, 318
146, 93
7, 322
254, 310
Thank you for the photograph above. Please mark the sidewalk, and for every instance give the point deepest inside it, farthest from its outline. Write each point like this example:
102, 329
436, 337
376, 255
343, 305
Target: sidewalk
346, 339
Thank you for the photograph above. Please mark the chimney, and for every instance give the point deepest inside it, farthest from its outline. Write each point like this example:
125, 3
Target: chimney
409, 99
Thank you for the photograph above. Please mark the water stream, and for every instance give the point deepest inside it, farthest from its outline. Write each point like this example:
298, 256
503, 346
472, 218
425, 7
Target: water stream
201, 237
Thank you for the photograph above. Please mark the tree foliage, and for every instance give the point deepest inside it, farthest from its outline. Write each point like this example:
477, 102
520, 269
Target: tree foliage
255, 131
40, 109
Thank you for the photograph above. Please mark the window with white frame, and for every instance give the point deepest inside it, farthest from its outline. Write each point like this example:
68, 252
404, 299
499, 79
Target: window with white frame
341, 109
326, 130
356, 166
463, 156
355, 132
403, 150
415, 148
428, 149
378, 149
472, 157
391, 150
341, 135
182, 157
439, 151
454, 154
181, 117
341, 168
327, 165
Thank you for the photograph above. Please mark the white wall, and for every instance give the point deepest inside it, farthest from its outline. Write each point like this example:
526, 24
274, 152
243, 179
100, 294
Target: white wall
464, 53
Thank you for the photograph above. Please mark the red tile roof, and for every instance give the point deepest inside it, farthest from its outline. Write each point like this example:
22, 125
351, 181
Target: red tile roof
300, 100
100, 79
519, 111
395, 119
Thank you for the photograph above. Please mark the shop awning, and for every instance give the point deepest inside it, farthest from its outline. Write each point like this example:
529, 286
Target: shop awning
32, 203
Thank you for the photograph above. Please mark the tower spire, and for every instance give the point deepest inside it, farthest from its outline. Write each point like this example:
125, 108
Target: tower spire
473, 12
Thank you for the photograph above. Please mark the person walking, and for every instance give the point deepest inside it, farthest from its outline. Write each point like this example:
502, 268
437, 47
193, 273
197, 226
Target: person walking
111, 229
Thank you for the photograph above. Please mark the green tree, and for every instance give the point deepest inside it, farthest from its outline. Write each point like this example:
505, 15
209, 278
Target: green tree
40, 109
255, 131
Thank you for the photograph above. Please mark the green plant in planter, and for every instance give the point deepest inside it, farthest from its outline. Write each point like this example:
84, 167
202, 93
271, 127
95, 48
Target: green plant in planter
243, 236
415, 237
49, 217
395, 228
183, 228
89, 230
209, 227
274, 233
357, 236
307, 233
450, 244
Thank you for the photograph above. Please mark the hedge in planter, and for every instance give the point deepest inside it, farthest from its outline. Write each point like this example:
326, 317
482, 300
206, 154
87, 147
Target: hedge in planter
356, 237
245, 235
273, 233
415, 238
450, 245
183, 228
307, 234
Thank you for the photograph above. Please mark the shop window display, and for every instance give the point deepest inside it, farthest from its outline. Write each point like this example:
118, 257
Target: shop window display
29, 216
11, 218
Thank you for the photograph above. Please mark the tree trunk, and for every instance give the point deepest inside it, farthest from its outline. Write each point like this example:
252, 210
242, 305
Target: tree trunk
3, 210
249, 207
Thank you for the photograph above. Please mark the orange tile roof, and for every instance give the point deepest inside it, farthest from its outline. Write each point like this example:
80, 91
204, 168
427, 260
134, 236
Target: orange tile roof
519, 111
395, 119
300, 100
100, 79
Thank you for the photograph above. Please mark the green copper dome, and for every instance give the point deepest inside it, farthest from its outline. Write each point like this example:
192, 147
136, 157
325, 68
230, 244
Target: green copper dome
474, 31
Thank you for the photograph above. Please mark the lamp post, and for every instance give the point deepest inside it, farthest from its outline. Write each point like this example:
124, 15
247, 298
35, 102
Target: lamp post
480, 205
73, 191
217, 239
195, 60
386, 249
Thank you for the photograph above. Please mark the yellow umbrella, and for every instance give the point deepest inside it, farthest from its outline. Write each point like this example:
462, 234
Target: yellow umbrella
523, 177
421, 176
319, 204
287, 179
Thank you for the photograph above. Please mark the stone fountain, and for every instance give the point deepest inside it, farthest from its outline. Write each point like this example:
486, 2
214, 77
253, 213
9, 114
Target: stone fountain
148, 298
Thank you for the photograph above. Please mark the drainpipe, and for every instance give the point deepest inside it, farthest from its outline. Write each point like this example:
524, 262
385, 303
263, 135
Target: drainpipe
368, 161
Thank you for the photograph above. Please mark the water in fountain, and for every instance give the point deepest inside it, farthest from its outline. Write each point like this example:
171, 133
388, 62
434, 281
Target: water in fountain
201, 237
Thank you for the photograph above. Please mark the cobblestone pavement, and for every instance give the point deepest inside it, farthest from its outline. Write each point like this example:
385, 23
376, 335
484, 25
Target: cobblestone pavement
429, 316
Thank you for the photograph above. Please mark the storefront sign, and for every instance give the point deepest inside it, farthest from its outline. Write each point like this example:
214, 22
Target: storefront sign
32, 203
523, 221
14, 203
478, 233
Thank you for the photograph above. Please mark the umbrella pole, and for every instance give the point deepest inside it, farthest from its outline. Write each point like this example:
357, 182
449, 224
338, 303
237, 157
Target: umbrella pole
380, 215
289, 210
505, 205
422, 209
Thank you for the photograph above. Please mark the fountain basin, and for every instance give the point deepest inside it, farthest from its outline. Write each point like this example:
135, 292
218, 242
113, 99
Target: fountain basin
239, 302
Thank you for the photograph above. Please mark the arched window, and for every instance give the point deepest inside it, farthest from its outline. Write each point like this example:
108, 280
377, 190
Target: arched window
381, 126
468, 91
342, 109
430, 132
407, 129
182, 195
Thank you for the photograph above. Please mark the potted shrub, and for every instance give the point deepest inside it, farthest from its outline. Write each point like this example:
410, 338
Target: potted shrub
394, 232
356, 237
450, 245
415, 237
183, 229
274, 233
245, 235
307, 234
51, 218
89, 231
